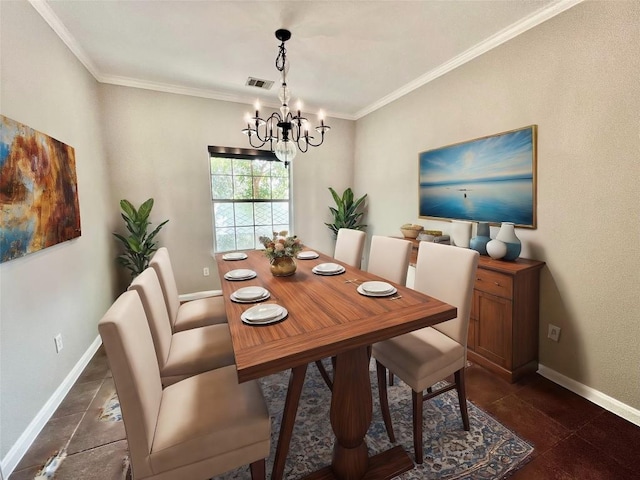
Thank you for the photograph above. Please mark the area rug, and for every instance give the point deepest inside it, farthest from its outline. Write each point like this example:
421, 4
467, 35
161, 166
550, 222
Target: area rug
488, 451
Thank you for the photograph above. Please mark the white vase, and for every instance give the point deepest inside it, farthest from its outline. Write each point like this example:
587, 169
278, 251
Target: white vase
507, 234
496, 249
460, 233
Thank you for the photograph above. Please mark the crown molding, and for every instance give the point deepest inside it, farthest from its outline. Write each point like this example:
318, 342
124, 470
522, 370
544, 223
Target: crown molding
490, 43
202, 93
45, 11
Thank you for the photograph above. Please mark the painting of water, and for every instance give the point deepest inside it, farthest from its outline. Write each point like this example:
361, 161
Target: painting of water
491, 179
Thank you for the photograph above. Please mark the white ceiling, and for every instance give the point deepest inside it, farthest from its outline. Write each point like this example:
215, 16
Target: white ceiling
347, 57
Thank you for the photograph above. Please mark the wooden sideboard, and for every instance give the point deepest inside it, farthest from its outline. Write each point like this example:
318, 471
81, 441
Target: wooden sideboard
503, 329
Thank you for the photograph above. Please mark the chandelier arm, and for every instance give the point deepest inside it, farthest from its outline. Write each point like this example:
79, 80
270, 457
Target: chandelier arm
256, 146
291, 130
309, 143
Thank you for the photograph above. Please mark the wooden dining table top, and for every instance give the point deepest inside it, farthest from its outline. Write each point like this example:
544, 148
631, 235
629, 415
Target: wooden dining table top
326, 314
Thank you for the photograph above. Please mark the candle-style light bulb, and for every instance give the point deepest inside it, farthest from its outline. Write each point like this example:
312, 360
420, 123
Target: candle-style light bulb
257, 105
321, 117
299, 106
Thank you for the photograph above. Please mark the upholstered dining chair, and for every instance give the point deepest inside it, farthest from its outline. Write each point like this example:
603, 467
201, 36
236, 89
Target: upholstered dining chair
180, 354
197, 428
349, 246
426, 356
388, 258
187, 311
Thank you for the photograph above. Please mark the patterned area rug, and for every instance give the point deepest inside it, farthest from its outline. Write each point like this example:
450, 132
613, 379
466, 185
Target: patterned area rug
488, 451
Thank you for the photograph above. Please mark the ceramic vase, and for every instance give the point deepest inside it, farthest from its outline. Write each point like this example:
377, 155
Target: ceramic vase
496, 249
460, 233
507, 235
479, 242
283, 266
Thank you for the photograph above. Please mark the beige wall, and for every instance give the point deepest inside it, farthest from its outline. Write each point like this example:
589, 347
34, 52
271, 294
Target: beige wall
157, 147
66, 288
576, 77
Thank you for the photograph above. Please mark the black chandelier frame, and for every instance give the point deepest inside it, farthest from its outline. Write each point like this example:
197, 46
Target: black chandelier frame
283, 125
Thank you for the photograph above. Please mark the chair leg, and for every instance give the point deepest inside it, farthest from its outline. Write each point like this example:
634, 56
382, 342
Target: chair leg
325, 374
417, 425
384, 400
462, 397
258, 470
390, 379
296, 381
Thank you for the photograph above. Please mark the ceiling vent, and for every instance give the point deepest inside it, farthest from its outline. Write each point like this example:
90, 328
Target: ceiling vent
258, 83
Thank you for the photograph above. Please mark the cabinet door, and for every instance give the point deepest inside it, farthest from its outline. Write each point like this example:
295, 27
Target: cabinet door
493, 328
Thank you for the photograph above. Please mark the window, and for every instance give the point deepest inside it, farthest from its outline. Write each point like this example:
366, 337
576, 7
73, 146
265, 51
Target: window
250, 192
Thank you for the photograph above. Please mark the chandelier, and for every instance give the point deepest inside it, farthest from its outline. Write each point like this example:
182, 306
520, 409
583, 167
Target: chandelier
285, 132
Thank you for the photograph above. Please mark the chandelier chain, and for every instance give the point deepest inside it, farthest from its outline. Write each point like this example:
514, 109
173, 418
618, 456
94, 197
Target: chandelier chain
285, 132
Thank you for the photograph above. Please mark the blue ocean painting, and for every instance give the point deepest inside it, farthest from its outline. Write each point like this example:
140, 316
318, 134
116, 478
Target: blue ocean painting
489, 179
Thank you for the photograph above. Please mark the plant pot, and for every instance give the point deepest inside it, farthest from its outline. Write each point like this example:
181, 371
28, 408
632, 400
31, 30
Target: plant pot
283, 266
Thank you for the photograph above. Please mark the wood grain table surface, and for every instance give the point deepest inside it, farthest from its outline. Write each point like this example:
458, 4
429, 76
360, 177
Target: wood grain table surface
327, 318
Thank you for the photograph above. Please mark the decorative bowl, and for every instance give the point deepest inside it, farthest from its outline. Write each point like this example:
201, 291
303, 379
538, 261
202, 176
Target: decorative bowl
412, 232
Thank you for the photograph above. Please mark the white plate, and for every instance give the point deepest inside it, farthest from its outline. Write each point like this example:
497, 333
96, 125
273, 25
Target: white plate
234, 256
308, 255
255, 300
377, 287
265, 322
320, 272
328, 267
240, 274
362, 291
250, 293
261, 313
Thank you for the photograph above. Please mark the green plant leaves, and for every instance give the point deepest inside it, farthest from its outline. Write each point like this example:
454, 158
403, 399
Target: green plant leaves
346, 215
138, 245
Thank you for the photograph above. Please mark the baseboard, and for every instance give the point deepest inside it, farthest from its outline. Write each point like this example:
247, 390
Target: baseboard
17, 451
605, 401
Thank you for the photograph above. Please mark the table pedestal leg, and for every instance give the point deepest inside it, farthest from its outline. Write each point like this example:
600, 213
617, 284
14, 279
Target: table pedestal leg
351, 411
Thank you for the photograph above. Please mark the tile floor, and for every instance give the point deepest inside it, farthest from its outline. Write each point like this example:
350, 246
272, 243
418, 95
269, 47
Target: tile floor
573, 438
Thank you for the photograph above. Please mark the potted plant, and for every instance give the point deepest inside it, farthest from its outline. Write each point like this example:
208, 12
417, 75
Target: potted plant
346, 215
138, 245
281, 250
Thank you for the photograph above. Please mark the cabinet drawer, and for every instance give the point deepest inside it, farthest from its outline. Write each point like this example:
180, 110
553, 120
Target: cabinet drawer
494, 283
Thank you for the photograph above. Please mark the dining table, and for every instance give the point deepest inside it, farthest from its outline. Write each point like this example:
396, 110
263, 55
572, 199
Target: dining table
327, 315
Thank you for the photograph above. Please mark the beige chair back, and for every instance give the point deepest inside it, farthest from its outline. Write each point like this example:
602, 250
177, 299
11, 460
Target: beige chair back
148, 287
389, 258
349, 246
448, 274
161, 263
129, 347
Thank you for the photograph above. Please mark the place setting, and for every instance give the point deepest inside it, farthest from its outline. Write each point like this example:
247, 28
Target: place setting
307, 255
250, 295
377, 289
240, 274
264, 314
328, 269
232, 256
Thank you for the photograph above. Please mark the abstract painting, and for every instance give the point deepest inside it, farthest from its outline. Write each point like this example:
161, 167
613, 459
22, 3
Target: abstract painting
490, 179
38, 191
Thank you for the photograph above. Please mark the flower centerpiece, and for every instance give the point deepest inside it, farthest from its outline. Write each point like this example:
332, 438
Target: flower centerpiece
281, 250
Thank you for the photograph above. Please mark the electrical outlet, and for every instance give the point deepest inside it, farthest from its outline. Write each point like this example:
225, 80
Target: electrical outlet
205, 271
58, 341
554, 333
